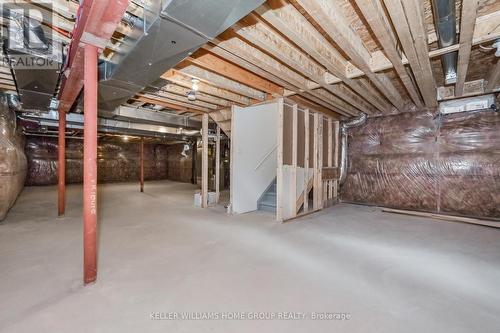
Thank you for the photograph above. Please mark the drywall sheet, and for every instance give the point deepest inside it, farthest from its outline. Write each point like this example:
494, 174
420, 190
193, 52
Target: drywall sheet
420, 161
253, 154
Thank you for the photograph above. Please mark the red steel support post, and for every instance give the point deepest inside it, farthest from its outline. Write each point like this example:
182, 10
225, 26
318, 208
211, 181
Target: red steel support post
90, 165
142, 164
61, 166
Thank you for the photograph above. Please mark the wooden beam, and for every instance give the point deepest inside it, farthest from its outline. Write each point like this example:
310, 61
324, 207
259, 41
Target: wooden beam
220, 81
209, 89
296, 82
165, 104
328, 15
467, 23
264, 37
204, 161
183, 91
411, 29
285, 18
374, 14
213, 63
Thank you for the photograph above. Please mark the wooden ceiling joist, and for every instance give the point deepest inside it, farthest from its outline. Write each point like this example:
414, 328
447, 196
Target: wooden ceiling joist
183, 80
329, 17
182, 91
467, 23
409, 24
291, 23
374, 14
222, 82
158, 101
222, 67
255, 57
262, 36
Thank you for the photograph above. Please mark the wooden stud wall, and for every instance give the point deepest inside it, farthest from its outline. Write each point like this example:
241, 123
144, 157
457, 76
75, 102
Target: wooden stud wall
307, 143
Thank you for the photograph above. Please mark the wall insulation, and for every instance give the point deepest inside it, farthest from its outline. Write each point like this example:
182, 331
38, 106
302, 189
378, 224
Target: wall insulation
12, 158
117, 161
419, 161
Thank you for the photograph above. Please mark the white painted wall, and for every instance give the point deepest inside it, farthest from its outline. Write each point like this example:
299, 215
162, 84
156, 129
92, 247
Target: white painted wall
253, 137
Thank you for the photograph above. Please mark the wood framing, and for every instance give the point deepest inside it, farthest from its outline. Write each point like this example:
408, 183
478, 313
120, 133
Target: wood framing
204, 162
279, 171
407, 18
467, 23
217, 165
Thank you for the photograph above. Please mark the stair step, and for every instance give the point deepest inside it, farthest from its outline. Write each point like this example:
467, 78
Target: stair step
267, 208
269, 203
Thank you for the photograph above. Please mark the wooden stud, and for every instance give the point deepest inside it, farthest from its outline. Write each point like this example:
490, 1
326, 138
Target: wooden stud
320, 161
330, 157
467, 23
217, 165
293, 182
315, 161
336, 155
279, 172
306, 160
204, 161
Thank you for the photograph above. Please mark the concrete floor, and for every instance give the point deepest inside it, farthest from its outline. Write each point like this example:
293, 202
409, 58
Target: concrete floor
390, 273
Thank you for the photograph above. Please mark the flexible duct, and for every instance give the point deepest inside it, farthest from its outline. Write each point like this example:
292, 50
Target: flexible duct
446, 29
343, 153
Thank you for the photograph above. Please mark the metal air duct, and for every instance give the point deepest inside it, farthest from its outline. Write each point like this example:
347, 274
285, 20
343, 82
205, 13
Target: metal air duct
360, 120
446, 30
166, 33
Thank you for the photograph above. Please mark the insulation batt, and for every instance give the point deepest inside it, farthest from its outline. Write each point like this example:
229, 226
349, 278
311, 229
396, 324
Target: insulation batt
418, 161
12, 159
117, 161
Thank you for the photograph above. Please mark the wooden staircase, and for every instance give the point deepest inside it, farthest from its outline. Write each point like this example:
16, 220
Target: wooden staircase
223, 119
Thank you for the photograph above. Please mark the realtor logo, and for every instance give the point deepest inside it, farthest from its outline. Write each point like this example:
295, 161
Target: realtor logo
28, 38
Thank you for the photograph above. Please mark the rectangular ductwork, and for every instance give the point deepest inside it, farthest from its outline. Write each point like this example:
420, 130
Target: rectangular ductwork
164, 35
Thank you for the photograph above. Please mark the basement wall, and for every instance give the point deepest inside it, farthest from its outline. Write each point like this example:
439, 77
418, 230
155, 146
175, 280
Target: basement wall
446, 164
12, 158
118, 161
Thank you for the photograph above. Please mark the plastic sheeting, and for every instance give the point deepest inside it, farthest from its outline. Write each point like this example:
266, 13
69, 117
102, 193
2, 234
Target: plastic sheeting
12, 158
118, 161
447, 164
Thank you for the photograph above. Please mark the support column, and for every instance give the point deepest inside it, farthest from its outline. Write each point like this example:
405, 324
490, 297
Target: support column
217, 165
142, 164
204, 162
61, 164
90, 166
194, 152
